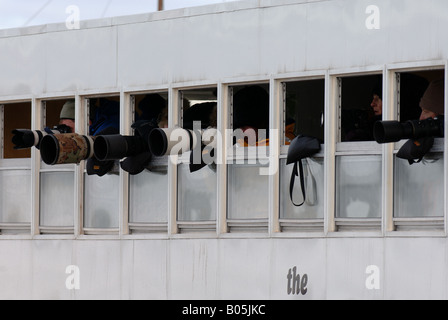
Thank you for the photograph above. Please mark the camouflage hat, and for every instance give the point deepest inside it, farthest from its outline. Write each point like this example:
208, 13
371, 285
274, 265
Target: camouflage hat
68, 110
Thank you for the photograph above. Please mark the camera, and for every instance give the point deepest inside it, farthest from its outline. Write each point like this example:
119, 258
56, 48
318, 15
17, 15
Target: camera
24, 139
394, 131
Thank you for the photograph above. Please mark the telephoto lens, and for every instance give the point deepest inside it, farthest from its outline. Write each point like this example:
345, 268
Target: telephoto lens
24, 139
171, 141
66, 148
394, 131
116, 147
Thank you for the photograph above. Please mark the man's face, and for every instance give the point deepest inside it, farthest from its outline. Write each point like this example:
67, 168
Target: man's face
377, 105
426, 114
69, 123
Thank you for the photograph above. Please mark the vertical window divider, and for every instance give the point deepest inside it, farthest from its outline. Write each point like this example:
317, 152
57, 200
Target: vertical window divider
36, 123
222, 150
126, 117
173, 120
2, 131
332, 102
81, 126
445, 158
390, 109
276, 110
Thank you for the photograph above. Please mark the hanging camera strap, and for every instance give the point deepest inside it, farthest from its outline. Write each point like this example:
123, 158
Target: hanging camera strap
295, 173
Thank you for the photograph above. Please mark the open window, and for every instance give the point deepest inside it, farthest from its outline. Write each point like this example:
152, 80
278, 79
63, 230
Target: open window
57, 183
358, 156
248, 186
303, 106
196, 172
15, 171
101, 179
419, 187
148, 190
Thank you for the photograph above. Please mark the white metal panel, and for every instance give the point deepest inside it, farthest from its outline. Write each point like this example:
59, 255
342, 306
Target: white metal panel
22, 65
248, 40
80, 59
415, 268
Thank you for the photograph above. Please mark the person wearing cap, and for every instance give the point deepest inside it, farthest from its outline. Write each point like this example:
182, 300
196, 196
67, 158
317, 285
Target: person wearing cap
433, 100
67, 115
432, 105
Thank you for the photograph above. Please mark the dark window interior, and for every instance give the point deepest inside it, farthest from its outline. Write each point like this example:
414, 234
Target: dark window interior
16, 116
305, 102
357, 115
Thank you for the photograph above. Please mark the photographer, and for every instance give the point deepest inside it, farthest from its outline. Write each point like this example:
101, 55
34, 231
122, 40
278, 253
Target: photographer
432, 102
67, 115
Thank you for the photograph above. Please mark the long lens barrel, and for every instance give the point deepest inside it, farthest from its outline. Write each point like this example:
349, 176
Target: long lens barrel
66, 148
391, 131
116, 147
24, 139
394, 131
171, 141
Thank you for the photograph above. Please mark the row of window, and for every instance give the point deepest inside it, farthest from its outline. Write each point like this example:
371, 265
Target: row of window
350, 180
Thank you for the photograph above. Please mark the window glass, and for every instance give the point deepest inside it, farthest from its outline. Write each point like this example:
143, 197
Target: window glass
419, 191
248, 189
248, 193
101, 183
101, 201
313, 208
57, 189
197, 179
15, 196
419, 187
358, 184
197, 194
304, 103
149, 198
304, 109
361, 106
15, 116
149, 188
251, 115
57, 199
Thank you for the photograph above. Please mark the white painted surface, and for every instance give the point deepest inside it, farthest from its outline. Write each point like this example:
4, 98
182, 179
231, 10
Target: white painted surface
242, 41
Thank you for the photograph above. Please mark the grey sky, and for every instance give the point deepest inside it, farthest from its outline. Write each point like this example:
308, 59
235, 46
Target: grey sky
19, 13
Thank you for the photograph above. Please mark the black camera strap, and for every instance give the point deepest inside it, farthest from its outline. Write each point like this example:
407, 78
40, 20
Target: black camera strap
295, 174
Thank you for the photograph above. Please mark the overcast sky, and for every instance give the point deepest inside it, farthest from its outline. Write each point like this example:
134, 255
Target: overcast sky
20, 13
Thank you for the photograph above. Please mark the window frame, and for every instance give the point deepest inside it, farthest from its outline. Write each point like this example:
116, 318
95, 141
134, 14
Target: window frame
44, 168
21, 229
396, 226
286, 225
82, 127
142, 228
336, 148
178, 228
268, 154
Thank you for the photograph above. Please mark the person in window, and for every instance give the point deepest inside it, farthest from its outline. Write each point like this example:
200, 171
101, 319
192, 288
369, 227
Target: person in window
251, 115
377, 102
433, 100
67, 115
